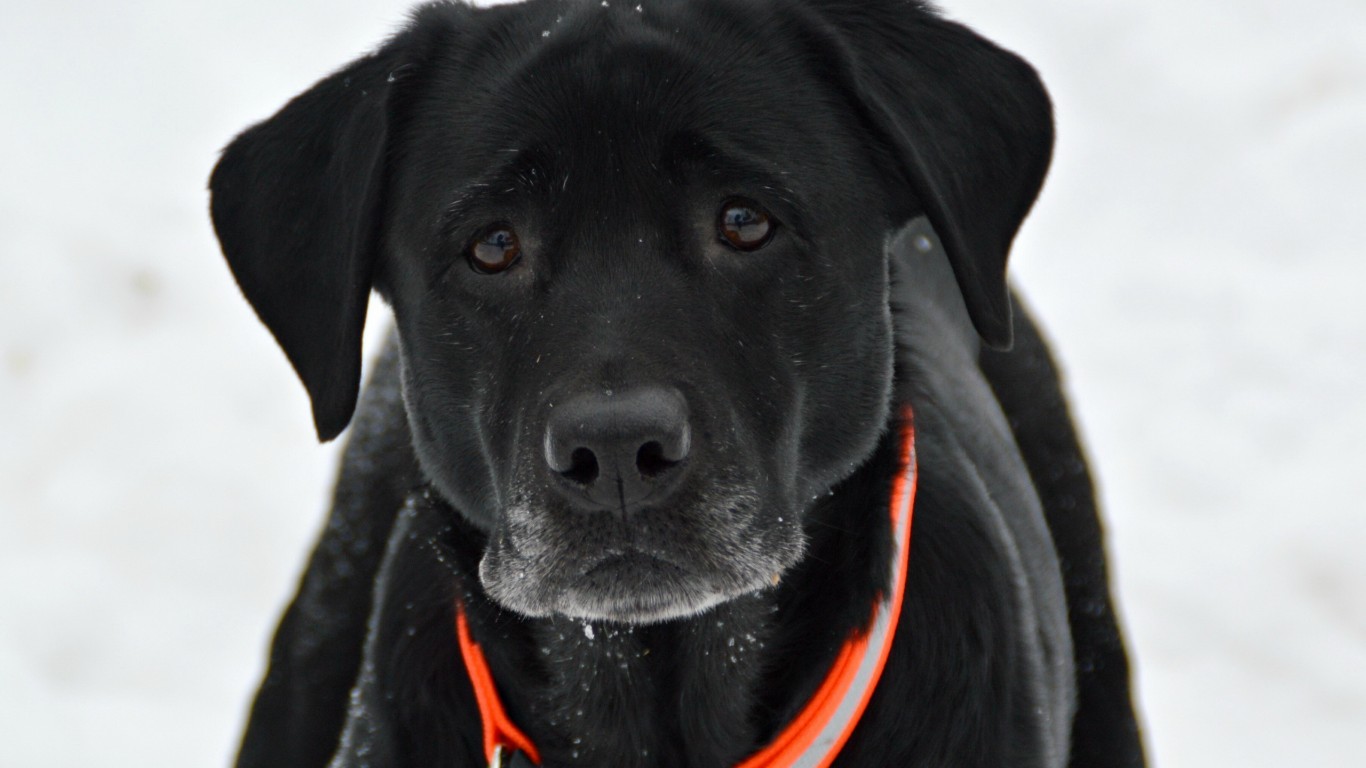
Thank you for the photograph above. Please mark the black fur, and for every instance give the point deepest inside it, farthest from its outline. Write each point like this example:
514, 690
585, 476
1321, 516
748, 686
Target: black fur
897, 153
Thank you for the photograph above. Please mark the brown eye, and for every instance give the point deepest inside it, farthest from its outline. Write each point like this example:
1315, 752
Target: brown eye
744, 226
495, 250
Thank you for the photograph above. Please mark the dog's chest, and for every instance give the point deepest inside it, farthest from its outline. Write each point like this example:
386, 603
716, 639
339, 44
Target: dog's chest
676, 694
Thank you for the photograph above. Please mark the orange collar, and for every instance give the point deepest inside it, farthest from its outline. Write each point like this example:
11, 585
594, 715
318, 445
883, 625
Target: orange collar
816, 735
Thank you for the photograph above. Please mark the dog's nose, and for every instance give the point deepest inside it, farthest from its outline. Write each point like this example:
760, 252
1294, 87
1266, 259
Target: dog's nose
618, 449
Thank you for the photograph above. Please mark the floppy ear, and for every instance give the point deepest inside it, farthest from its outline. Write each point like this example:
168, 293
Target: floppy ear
969, 126
296, 205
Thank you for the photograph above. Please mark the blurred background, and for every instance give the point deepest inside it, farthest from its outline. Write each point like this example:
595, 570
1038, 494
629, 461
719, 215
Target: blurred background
1196, 256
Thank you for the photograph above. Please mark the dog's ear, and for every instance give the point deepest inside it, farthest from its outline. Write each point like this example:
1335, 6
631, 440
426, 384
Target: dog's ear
296, 205
968, 126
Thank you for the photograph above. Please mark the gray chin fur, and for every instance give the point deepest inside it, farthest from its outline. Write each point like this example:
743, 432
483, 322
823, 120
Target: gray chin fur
632, 587
629, 604
626, 609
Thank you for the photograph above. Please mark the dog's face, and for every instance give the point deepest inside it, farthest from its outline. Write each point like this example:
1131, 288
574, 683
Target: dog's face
636, 259
636, 229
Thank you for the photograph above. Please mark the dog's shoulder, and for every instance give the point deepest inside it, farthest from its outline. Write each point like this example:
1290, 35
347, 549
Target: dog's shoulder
317, 649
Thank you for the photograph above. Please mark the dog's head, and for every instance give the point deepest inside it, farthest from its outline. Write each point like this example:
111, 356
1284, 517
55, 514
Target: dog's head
636, 254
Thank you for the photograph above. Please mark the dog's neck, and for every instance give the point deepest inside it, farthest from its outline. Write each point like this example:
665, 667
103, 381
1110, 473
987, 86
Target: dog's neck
710, 689
678, 693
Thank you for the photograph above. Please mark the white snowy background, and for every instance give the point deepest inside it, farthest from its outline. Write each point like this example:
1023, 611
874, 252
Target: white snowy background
1197, 256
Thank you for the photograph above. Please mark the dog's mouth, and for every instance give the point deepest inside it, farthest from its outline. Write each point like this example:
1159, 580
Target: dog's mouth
631, 588
672, 566
636, 587
631, 566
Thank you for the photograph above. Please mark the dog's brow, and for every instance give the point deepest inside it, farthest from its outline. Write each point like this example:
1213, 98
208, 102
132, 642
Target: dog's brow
732, 165
514, 172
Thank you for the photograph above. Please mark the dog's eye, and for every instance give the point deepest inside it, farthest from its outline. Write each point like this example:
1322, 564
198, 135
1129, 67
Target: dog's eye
496, 249
743, 225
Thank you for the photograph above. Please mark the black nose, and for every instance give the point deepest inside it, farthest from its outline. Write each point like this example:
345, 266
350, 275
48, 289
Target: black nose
618, 449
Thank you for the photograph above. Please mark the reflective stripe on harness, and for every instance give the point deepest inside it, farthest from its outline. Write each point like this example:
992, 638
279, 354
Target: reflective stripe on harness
816, 735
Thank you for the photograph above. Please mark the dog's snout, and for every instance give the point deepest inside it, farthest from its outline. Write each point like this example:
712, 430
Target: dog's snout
617, 449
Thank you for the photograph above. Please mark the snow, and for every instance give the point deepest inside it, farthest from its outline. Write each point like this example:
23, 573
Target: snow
1196, 256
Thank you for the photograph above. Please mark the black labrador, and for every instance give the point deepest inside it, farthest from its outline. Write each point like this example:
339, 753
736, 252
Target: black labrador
668, 277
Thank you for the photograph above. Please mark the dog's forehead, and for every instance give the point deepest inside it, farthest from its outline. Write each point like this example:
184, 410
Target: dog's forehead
619, 87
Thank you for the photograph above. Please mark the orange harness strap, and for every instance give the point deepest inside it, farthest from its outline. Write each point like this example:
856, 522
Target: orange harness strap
816, 735
500, 734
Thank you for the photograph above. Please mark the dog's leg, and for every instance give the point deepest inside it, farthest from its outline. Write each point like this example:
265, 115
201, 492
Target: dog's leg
316, 653
1025, 379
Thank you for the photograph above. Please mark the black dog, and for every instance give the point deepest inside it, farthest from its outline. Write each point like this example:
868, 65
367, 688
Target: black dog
670, 281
